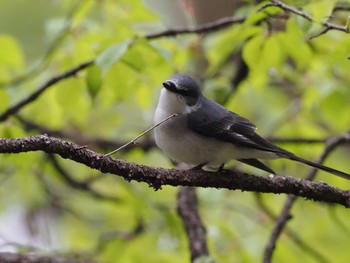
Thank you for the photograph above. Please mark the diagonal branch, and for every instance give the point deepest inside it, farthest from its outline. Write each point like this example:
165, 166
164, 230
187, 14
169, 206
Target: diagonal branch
285, 214
157, 177
15, 108
308, 248
204, 28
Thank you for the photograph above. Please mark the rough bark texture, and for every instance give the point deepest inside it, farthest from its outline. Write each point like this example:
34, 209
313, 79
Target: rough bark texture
187, 207
156, 177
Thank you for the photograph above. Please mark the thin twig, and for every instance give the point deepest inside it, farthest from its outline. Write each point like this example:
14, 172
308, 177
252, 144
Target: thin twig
79, 137
205, 28
142, 134
328, 26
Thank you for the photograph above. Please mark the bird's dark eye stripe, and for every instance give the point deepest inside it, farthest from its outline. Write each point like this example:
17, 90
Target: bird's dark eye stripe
189, 93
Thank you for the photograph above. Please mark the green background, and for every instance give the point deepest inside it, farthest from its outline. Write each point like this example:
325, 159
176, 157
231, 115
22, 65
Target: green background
296, 87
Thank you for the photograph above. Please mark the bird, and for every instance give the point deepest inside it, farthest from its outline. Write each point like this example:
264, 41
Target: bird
205, 134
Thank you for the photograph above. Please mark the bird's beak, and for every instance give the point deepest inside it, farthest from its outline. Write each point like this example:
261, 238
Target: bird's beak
169, 86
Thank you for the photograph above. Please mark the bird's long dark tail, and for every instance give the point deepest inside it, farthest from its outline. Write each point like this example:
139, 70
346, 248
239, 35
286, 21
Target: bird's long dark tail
320, 167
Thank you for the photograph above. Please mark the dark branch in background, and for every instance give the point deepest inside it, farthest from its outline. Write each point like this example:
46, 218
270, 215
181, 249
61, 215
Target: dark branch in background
285, 215
107, 237
84, 186
205, 28
156, 177
294, 236
6, 257
328, 26
187, 208
15, 108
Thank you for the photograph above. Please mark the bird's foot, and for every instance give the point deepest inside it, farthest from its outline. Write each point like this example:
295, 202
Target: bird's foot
199, 166
222, 169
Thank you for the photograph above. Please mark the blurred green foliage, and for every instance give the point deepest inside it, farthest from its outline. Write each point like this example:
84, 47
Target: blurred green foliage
295, 88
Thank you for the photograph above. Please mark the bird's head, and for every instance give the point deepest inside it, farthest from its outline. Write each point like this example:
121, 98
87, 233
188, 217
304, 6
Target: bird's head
183, 87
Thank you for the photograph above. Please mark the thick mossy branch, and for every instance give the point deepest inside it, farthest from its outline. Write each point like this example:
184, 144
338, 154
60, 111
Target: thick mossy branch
157, 177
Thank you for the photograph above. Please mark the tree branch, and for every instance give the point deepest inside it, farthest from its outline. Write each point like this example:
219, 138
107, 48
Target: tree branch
307, 247
285, 214
6, 257
156, 177
187, 208
328, 26
205, 28
15, 108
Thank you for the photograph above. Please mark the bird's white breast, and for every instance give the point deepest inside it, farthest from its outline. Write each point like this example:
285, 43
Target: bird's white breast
183, 145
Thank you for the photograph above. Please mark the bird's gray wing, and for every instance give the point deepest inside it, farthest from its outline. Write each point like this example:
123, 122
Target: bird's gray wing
214, 120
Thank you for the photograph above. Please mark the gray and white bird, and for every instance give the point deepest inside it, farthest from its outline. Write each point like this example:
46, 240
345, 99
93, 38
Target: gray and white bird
204, 133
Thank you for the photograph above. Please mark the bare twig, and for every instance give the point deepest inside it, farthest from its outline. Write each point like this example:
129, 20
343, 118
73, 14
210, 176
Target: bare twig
156, 177
205, 28
107, 237
142, 134
15, 108
187, 208
328, 26
285, 215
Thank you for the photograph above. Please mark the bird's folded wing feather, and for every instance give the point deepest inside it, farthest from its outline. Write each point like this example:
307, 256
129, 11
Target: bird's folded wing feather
214, 120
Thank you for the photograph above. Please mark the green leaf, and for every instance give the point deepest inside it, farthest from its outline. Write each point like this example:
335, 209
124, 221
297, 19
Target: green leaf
112, 55
11, 57
253, 50
94, 81
4, 100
